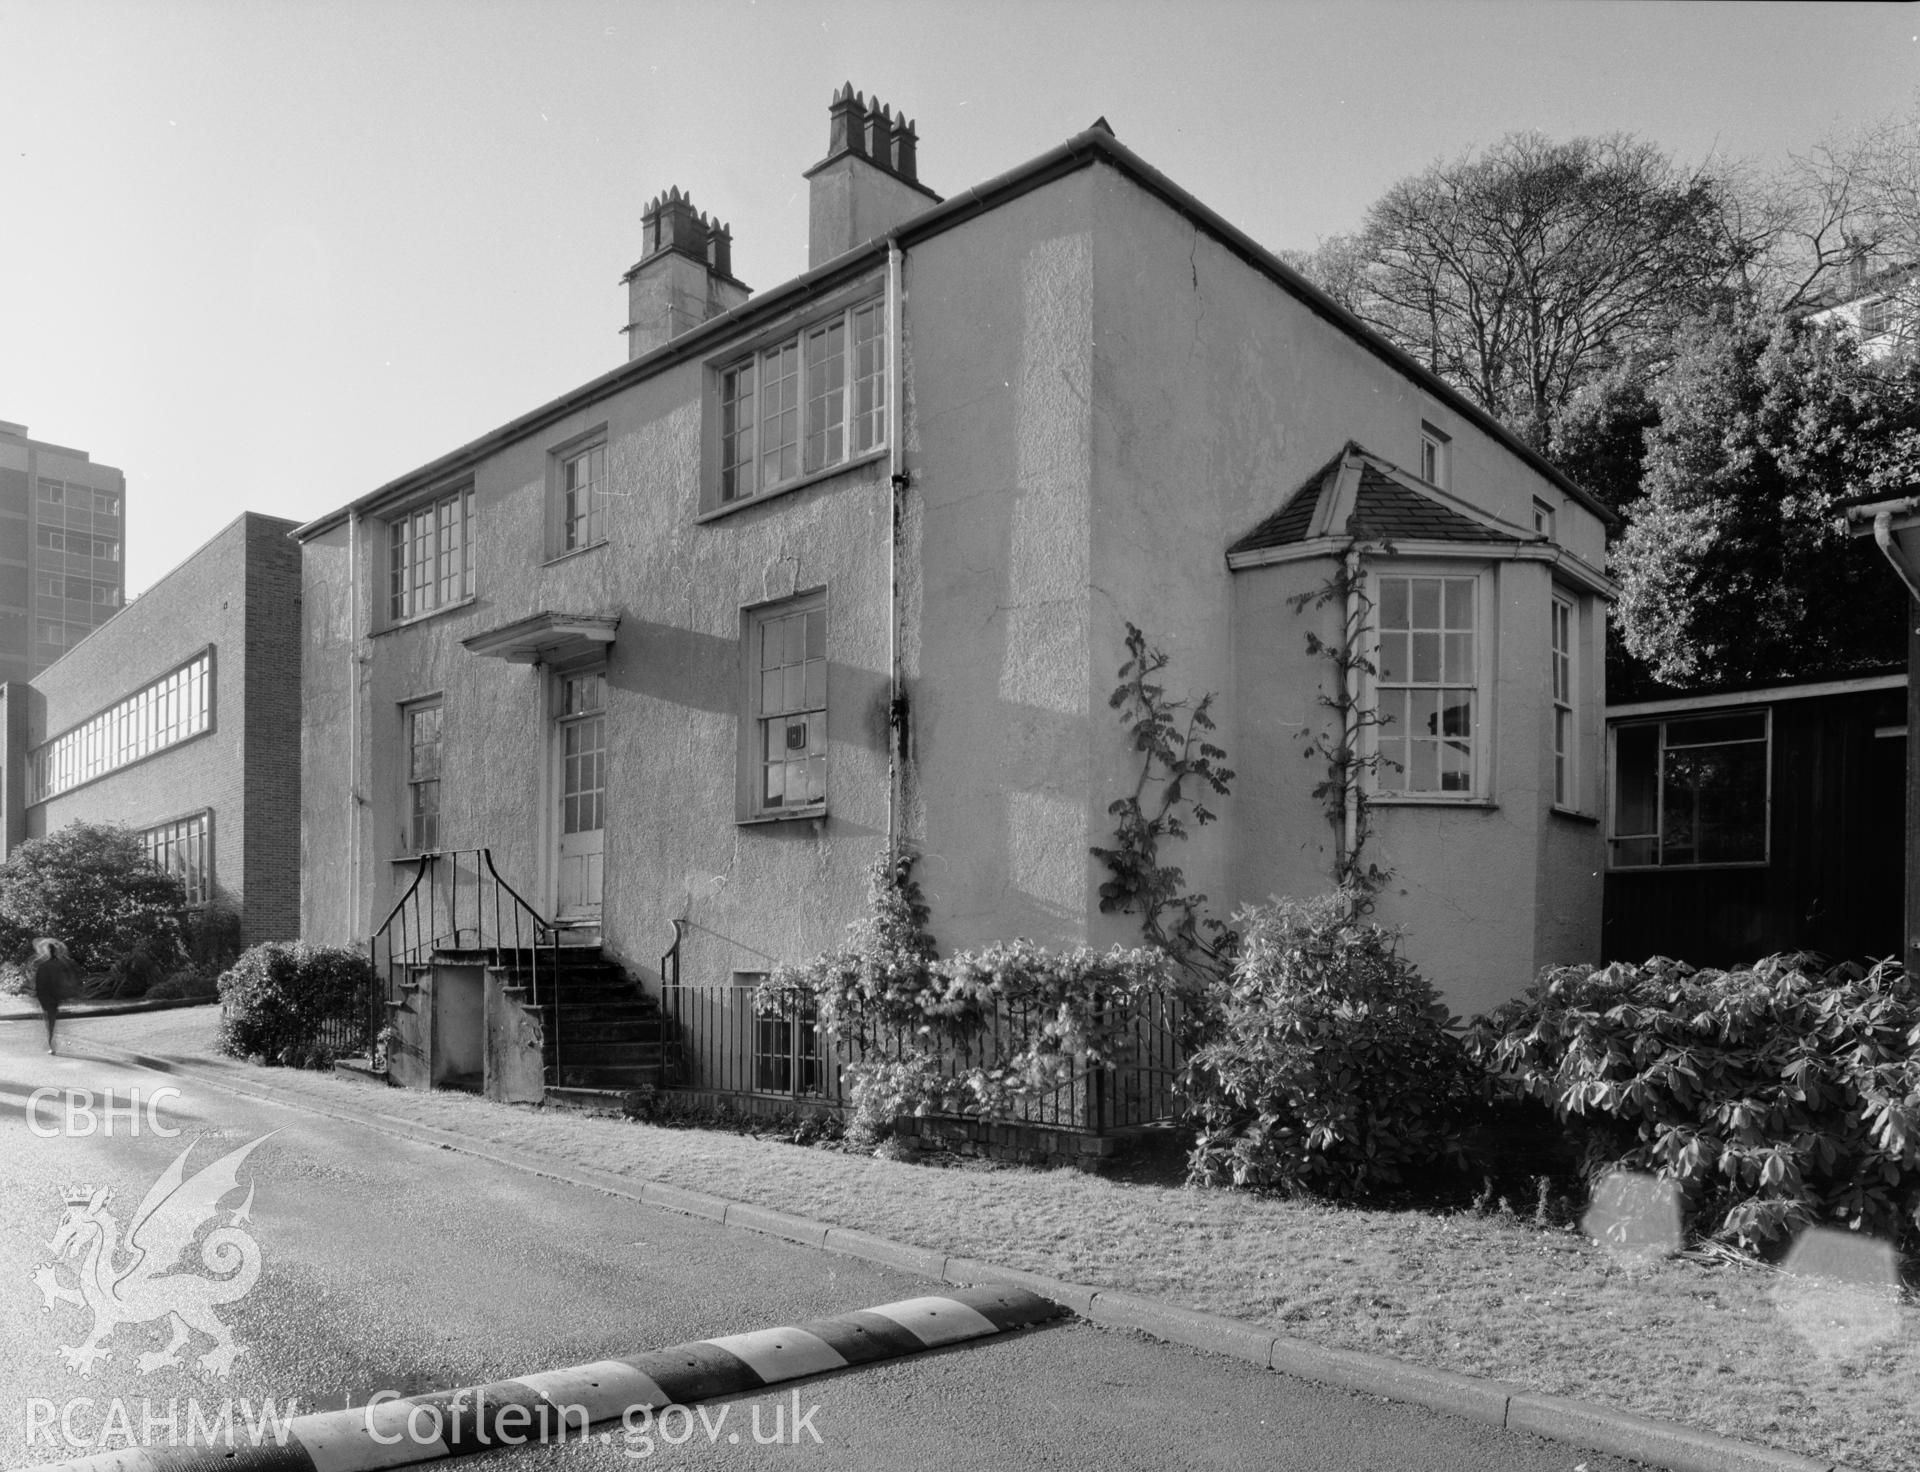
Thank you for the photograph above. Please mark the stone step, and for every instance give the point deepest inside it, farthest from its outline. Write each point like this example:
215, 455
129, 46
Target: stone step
593, 1028
597, 1101
595, 1076
610, 985
624, 1054
573, 1014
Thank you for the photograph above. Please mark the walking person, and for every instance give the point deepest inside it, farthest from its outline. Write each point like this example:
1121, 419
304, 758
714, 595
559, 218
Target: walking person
54, 977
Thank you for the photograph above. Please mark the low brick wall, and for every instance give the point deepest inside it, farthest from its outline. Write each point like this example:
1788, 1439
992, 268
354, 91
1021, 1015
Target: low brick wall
1024, 1144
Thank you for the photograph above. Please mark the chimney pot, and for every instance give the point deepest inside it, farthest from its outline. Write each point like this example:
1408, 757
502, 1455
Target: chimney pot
905, 150
846, 123
879, 134
868, 182
685, 274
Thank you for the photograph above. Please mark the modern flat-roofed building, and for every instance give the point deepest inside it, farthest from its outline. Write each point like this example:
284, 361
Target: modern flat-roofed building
63, 533
180, 719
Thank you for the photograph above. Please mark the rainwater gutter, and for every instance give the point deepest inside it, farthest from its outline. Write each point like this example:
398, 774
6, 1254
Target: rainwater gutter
897, 482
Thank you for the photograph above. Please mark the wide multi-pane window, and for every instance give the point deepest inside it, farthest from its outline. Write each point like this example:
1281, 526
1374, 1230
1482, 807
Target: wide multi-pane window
430, 556
583, 510
1565, 774
171, 709
804, 404
183, 847
1426, 685
1690, 791
787, 669
424, 736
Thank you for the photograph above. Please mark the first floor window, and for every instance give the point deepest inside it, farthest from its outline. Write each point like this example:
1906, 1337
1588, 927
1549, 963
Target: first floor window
1433, 456
1565, 777
183, 847
430, 556
1690, 790
424, 735
804, 404
787, 676
169, 710
1427, 685
583, 511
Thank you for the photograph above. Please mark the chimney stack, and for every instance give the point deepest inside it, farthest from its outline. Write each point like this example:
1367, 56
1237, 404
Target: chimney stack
868, 182
684, 276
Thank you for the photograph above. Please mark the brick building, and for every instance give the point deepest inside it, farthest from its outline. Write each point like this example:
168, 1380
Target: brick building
63, 522
180, 718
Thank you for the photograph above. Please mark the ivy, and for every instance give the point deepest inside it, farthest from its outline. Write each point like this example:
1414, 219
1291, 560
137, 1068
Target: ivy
1180, 766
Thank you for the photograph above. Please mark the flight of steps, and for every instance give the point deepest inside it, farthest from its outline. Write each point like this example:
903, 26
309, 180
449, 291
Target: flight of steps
610, 1035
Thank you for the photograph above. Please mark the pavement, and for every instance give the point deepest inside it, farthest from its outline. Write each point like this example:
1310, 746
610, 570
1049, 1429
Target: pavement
1468, 1422
16, 1008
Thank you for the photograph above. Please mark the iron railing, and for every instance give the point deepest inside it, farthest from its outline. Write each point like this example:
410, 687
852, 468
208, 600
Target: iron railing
722, 1045
458, 903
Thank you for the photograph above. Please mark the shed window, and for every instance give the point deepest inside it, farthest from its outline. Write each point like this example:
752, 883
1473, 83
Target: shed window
1690, 791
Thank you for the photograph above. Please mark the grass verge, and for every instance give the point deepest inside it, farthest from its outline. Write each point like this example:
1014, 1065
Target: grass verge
1729, 1347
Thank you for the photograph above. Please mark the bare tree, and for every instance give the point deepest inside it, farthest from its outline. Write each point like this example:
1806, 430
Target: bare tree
1525, 272
1850, 211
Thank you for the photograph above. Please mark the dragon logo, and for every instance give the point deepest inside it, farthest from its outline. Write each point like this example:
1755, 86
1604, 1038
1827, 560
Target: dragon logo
135, 1282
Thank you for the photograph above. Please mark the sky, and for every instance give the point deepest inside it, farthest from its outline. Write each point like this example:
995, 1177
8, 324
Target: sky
270, 254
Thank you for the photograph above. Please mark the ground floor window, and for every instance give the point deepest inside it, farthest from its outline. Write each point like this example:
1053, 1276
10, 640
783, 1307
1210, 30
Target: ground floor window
184, 847
424, 733
1690, 790
787, 1054
786, 666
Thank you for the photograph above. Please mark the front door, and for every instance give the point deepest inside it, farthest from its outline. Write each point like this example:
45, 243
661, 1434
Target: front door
580, 749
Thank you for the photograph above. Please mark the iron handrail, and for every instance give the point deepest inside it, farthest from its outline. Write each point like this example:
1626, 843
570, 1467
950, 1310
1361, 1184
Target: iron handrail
417, 933
540, 924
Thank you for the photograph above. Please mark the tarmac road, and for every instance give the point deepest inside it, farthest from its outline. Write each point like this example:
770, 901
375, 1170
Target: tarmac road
391, 1265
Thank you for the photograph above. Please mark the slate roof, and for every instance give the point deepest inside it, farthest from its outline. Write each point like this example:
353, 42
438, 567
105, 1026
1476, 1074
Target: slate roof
1384, 509
1289, 524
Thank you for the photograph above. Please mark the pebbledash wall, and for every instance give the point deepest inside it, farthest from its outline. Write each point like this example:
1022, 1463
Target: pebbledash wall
237, 601
1101, 388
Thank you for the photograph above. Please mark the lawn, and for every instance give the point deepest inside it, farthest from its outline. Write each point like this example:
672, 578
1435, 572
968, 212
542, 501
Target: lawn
1726, 1346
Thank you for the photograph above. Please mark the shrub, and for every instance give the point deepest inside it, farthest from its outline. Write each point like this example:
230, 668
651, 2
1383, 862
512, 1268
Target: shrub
212, 936
91, 886
188, 981
1773, 1097
882, 980
279, 996
1326, 1063
1060, 1013
1055, 1014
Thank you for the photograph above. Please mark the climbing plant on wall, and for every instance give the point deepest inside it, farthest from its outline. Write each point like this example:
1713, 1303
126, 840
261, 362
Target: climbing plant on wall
1180, 767
1341, 748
